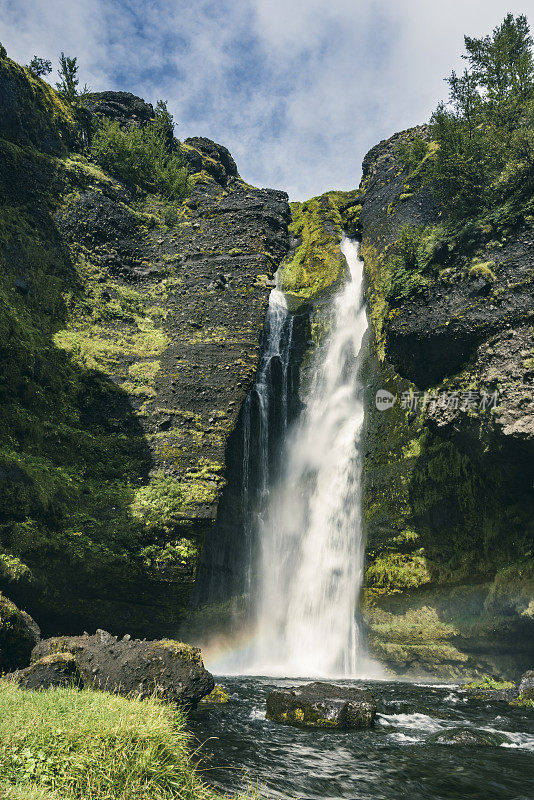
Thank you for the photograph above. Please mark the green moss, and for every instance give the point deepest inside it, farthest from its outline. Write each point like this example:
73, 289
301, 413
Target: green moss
397, 571
317, 265
218, 696
180, 650
488, 683
483, 270
164, 502
522, 702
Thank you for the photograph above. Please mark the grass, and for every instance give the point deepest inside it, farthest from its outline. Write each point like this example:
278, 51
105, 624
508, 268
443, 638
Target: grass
87, 745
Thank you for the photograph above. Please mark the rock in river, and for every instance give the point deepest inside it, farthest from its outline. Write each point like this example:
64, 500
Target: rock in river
469, 737
322, 705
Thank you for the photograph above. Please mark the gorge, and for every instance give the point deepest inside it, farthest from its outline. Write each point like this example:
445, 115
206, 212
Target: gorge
137, 455
291, 440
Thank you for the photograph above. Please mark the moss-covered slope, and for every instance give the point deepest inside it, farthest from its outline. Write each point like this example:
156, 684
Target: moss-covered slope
129, 331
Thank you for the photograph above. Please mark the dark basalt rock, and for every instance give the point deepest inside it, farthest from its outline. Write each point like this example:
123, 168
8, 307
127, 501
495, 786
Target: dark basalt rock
469, 737
172, 670
124, 107
322, 705
202, 154
56, 669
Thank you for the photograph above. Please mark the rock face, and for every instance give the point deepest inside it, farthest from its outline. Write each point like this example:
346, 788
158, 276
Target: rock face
172, 670
18, 636
447, 498
322, 705
130, 332
48, 672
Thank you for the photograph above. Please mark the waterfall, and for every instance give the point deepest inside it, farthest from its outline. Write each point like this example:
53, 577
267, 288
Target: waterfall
268, 406
300, 499
310, 536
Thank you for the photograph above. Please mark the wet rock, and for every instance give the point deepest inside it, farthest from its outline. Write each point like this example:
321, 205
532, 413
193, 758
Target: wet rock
322, 705
170, 669
56, 669
218, 696
485, 689
19, 633
526, 686
469, 737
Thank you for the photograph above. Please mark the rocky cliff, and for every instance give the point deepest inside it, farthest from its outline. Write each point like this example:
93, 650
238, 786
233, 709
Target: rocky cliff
130, 329
448, 499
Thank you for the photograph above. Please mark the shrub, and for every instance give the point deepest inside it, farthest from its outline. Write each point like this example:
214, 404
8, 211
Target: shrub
40, 66
411, 153
141, 156
68, 78
485, 137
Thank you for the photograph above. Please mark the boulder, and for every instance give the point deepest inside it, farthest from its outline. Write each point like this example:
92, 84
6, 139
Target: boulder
322, 705
56, 669
469, 737
19, 634
169, 669
216, 697
526, 686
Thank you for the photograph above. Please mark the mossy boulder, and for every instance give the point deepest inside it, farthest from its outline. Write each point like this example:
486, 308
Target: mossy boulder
169, 669
218, 696
322, 705
488, 688
19, 634
469, 737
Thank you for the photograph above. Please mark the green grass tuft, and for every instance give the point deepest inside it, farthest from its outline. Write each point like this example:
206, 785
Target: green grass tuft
86, 745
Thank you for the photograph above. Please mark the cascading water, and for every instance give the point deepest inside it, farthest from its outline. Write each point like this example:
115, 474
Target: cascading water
270, 400
310, 538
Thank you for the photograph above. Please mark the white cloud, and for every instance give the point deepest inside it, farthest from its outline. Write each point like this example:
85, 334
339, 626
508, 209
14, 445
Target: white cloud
298, 91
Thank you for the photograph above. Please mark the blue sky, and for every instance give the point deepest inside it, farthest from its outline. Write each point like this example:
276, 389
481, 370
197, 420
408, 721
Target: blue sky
298, 90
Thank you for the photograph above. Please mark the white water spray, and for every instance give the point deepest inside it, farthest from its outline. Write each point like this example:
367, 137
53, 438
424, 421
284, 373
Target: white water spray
311, 537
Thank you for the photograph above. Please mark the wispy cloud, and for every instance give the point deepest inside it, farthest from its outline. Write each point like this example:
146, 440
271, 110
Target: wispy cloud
298, 91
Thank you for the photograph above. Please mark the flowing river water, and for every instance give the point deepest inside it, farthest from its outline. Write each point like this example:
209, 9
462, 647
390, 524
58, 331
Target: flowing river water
395, 759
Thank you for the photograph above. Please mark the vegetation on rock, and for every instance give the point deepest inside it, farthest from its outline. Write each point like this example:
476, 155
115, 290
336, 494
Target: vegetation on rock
142, 155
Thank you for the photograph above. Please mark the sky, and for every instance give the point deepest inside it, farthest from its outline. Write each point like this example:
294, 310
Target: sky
298, 90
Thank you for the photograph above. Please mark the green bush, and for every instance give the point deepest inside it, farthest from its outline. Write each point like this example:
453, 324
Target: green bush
410, 261
411, 153
142, 156
87, 745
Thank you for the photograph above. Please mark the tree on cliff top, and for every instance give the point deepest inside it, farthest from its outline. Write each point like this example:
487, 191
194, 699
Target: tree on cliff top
486, 130
68, 77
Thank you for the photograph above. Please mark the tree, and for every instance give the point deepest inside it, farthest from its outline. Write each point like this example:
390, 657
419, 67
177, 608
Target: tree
40, 66
464, 97
68, 73
502, 64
